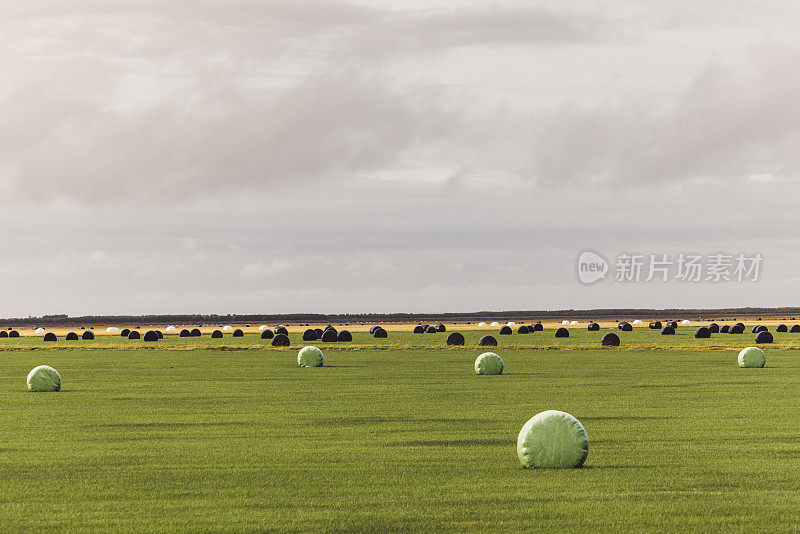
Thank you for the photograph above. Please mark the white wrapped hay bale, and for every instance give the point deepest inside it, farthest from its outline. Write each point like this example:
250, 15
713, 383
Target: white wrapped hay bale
309, 356
481, 324
552, 439
170, 329
752, 357
494, 323
44, 378
489, 363
262, 327
112, 330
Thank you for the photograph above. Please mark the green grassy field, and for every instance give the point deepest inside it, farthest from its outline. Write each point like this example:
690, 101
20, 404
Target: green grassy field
398, 434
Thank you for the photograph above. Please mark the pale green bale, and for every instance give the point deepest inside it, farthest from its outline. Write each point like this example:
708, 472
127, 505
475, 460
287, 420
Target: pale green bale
752, 357
309, 357
44, 378
489, 363
552, 440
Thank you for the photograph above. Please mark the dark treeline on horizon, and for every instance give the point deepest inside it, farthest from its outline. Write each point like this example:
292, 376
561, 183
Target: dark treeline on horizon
596, 314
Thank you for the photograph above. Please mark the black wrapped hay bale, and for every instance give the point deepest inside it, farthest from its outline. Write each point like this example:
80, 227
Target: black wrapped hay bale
216, 334
329, 336
184, 333
713, 328
655, 325
524, 329
593, 327
238, 333
267, 334
562, 332
488, 341
610, 340
195, 332
160, 334
795, 329
440, 328
124, 332
417, 329
782, 328
281, 330
764, 337
537, 327
455, 338
310, 335
134, 334
760, 328
380, 333
736, 329
88, 335
72, 336
625, 327
280, 340
3, 333
702, 333
667, 331
724, 329
13, 333
344, 336
331, 329
151, 335
430, 330
50, 337
506, 331
673, 324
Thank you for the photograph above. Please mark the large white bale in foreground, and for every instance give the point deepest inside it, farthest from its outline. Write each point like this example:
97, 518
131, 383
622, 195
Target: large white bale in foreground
489, 363
752, 357
111, 329
44, 378
552, 439
309, 357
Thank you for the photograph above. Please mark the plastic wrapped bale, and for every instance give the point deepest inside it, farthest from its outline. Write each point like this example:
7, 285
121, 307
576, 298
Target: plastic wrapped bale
281, 330
3, 333
686, 321
673, 324
455, 338
227, 328
216, 334
593, 327
417, 329
195, 332
552, 440
506, 331
562, 332
44, 378
309, 356
267, 334
372, 328
758, 328
667, 331
184, 333
494, 323
310, 335
329, 336
329, 329
280, 340
795, 329
626, 327
782, 328
764, 337
159, 334
752, 357
489, 363
88, 335
170, 329
713, 328
702, 333
430, 330
72, 336
151, 335
112, 330
441, 328
487, 341
736, 329
610, 340
655, 325
50, 337
638, 321
380, 333
125, 332
724, 329
262, 327
523, 329
344, 336
740, 324
13, 333
319, 332
238, 333
537, 327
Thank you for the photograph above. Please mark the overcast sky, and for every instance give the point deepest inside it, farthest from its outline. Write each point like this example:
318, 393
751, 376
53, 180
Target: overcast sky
264, 156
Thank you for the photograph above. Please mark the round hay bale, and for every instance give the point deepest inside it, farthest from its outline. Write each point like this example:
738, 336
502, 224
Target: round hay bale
686, 321
713, 328
655, 325
380, 333
782, 328
795, 329
319, 332
227, 328
537, 327
50, 337
593, 327
344, 336
238, 333
72, 336
565, 322
171, 329
638, 321
13, 333
626, 327
262, 327
724, 329
216, 334
44, 378
151, 335
562, 332
329, 336
494, 323
667, 331
195, 332
441, 328
134, 334
673, 324
124, 332
523, 329
184, 333
310, 335
112, 330
764, 337
736, 329
455, 338
267, 334
487, 341
740, 324
702, 333
552, 440
417, 329
331, 329
372, 328
758, 328
281, 330
88, 335
610, 340
280, 340
752, 357
309, 356
489, 363
481, 323
3, 333
506, 331
430, 330
159, 334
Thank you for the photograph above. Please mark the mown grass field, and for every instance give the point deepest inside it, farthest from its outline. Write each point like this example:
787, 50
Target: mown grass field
398, 434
